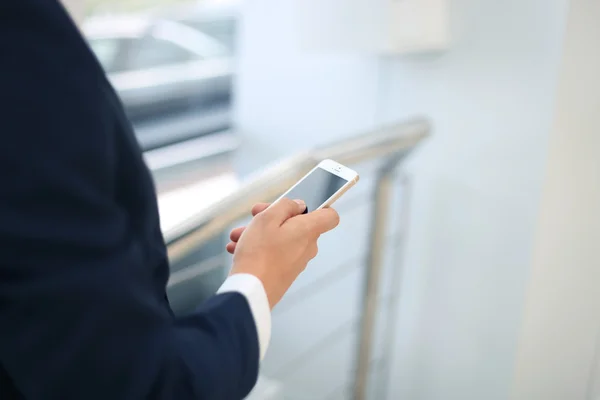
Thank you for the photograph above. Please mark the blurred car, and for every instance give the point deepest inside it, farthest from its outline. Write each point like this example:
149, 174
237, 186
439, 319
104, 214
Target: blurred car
173, 79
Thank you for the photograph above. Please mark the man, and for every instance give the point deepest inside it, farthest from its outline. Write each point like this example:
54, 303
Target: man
83, 266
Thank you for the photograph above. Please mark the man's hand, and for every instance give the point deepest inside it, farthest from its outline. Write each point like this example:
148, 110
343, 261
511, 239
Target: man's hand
278, 244
237, 232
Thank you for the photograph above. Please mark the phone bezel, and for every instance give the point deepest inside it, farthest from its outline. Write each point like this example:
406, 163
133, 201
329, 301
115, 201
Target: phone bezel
337, 169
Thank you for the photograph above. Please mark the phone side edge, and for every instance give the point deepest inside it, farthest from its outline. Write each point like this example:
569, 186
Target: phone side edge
329, 202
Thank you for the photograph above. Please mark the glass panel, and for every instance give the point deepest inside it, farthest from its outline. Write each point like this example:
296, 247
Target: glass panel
153, 52
107, 51
141, 43
222, 30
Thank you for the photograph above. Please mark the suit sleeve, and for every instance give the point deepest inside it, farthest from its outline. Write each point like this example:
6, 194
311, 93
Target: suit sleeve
82, 312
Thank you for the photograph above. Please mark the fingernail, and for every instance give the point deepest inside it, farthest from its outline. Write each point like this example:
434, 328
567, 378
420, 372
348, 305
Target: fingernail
301, 203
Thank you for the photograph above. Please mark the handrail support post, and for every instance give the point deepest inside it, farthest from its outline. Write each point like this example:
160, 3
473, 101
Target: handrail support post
377, 246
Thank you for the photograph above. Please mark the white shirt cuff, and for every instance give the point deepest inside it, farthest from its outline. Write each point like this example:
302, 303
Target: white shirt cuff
252, 289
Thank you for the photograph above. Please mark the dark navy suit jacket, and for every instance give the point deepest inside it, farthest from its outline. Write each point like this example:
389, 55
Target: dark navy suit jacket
83, 265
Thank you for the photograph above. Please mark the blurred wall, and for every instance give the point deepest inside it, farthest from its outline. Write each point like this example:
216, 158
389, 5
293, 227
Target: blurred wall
477, 181
478, 184
559, 350
286, 100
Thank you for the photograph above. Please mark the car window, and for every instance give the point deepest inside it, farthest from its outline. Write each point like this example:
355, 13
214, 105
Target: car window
222, 30
191, 39
106, 51
151, 52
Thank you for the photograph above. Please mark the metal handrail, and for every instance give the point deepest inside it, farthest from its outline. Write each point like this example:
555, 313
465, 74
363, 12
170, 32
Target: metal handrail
272, 181
392, 144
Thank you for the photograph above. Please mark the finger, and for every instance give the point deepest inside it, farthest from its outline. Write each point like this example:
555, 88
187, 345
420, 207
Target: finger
323, 220
313, 250
236, 233
231, 247
284, 209
258, 208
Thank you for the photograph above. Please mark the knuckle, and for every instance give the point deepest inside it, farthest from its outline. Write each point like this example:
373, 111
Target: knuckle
286, 202
261, 218
314, 250
290, 205
336, 217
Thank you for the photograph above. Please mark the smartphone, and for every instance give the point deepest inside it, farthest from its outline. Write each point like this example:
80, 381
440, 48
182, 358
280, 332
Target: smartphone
322, 186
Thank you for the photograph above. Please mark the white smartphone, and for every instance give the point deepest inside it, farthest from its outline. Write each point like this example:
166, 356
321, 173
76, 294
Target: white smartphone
322, 186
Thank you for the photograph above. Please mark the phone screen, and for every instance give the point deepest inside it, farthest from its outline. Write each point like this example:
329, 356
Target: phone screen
316, 188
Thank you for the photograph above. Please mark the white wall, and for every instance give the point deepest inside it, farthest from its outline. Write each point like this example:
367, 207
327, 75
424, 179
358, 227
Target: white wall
477, 192
477, 180
288, 101
558, 350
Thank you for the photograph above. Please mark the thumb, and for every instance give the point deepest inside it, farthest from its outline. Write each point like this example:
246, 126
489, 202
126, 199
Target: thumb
323, 220
284, 209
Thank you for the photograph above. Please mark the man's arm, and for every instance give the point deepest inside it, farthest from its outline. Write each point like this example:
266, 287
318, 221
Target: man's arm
82, 265
80, 316
79, 312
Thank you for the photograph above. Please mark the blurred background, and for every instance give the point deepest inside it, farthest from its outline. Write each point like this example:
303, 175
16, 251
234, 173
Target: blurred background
466, 264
